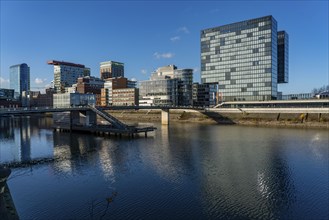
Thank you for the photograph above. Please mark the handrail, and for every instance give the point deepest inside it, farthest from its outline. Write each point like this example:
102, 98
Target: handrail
109, 118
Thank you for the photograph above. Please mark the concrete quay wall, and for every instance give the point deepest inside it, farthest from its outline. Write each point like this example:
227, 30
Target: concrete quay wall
317, 118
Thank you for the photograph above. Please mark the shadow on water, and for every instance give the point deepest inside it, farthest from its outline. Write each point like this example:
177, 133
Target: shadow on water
7, 206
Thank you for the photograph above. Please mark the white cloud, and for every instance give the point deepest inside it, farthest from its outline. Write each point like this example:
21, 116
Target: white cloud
195, 69
4, 83
176, 38
184, 30
163, 55
3, 80
39, 81
144, 71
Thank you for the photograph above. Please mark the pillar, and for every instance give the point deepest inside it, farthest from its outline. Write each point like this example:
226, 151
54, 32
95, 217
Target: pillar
165, 116
91, 118
74, 118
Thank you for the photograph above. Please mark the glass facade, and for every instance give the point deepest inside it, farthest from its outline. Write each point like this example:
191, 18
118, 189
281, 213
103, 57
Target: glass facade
185, 81
203, 95
167, 86
19, 79
242, 58
159, 92
283, 57
66, 100
66, 76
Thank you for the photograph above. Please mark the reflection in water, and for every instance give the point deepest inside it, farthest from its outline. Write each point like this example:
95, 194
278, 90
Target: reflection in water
186, 171
315, 145
241, 165
15, 138
25, 140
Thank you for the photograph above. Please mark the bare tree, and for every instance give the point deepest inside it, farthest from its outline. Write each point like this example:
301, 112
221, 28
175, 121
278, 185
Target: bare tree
321, 89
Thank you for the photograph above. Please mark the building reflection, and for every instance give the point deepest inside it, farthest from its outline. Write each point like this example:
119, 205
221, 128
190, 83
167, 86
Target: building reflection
7, 125
246, 179
18, 131
170, 155
70, 151
25, 139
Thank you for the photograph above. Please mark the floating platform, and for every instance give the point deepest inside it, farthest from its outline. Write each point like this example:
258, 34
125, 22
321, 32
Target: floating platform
105, 129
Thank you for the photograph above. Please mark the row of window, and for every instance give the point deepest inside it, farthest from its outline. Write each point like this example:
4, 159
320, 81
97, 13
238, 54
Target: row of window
248, 65
238, 34
256, 87
251, 93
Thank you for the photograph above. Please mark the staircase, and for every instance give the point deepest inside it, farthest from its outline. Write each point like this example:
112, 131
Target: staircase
115, 122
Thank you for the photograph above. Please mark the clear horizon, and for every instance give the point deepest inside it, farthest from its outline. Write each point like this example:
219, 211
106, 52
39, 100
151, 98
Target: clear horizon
145, 35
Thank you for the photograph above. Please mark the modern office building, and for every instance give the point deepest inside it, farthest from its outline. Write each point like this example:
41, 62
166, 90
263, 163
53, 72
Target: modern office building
283, 57
19, 79
185, 81
158, 92
242, 58
167, 86
111, 69
204, 95
65, 100
66, 74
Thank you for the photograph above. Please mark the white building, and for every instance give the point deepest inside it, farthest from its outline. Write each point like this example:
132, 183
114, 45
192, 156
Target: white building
66, 74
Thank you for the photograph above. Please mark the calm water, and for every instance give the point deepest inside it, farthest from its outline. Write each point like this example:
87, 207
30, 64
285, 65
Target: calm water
188, 171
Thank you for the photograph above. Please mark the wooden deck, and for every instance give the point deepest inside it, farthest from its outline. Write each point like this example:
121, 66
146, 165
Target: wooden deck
105, 129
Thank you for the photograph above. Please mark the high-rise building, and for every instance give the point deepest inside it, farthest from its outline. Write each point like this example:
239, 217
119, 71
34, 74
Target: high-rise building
242, 58
19, 79
283, 57
111, 69
66, 74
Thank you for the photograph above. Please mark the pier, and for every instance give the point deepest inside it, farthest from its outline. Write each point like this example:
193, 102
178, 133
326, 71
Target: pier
85, 120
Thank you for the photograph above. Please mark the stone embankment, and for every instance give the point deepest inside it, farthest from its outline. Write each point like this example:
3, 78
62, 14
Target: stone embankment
236, 116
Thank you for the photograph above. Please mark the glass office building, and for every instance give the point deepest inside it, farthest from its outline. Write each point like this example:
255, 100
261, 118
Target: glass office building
185, 81
167, 86
19, 79
283, 57
158, 92
242, 58
66, 74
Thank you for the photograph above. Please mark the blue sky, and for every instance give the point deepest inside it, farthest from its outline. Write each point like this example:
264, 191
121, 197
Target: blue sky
146, 35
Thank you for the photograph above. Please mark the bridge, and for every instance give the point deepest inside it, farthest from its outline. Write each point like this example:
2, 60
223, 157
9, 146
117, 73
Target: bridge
84, 118
98, 110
